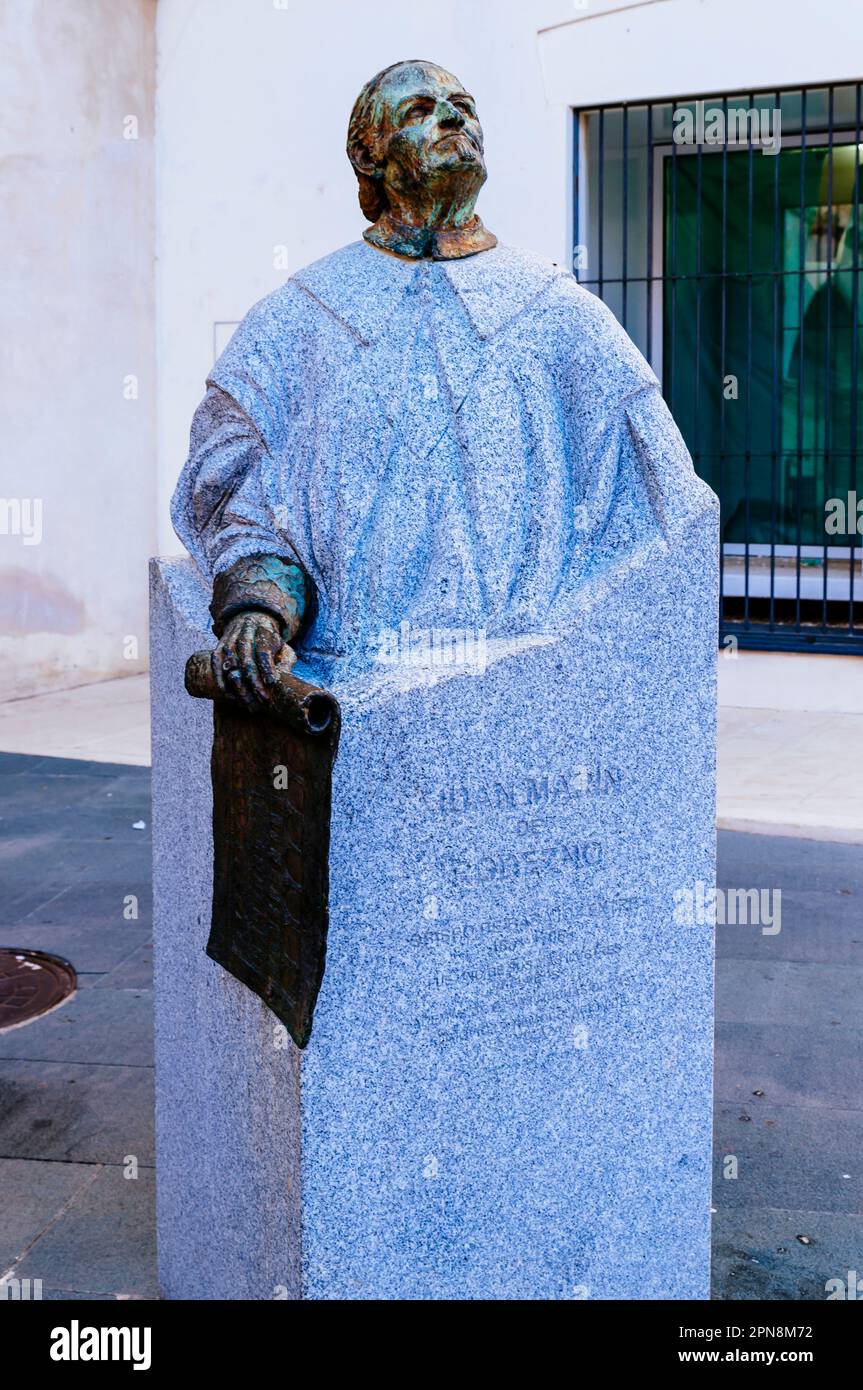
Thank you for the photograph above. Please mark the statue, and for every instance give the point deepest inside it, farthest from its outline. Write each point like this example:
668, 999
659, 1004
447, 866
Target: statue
424, 430
483, 485
503, 1087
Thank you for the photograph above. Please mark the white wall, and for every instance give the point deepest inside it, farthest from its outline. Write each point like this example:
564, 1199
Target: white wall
76, 259
678, 48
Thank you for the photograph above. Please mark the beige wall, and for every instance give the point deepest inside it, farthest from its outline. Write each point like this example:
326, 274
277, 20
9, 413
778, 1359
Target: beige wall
77, 253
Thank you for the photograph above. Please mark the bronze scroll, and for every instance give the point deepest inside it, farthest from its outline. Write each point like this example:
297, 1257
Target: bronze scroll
272, 790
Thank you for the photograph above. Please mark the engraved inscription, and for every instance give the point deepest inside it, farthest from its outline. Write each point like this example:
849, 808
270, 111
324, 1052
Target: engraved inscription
544, 791
525, 864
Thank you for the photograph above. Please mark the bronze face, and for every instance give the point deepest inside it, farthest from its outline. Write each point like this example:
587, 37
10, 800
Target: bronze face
429, 132
416, 144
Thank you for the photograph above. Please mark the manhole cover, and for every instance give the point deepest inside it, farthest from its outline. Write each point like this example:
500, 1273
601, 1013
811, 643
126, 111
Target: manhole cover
31, 983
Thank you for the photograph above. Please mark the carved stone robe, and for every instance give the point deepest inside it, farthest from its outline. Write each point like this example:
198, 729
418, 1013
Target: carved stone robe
455, 444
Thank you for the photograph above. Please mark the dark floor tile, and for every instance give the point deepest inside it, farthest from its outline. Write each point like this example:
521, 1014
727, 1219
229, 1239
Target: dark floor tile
76, 862
65, 767
73, 1113
794, 1156
795, 865
33, 1195
814, 927
130, 790
89, 825
72, 1296
821, 1067
88, 902
13, 764
51, 799
757, 1254
26, 896
136, 972
90, 949
807, 995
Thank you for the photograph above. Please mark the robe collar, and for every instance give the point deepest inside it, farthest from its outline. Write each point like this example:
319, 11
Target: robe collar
362, 287
449, 245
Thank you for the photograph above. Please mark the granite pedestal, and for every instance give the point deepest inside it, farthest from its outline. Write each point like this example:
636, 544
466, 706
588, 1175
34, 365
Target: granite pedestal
507, 1093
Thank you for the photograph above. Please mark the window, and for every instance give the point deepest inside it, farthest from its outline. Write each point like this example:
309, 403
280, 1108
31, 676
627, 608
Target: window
725, 234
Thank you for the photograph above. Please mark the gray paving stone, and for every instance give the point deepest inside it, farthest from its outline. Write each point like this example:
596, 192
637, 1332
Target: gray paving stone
51, 799
821, 1067
92, 949
97, 1025
28, 893
789, 1156
105, 1240
101, 823
62, 767
757, 1254
815, 926
136, 972
13, 764
810, 995
70, 1295
73, 1113
89, 903
795, 865
33, 1195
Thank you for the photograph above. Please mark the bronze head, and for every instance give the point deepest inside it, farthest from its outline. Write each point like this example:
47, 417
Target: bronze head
416, 146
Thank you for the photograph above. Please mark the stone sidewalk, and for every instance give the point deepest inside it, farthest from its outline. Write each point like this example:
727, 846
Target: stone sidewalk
76, 1100
789, 1058
76, 1087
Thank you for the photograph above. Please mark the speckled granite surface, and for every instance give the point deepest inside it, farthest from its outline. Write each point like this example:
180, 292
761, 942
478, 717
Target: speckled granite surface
227, 1123
507, 1090
451, 445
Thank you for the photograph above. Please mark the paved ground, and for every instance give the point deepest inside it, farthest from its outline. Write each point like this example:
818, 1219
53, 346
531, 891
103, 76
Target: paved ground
108, 722
76, 1086
791, 744
792, 772
789, 1061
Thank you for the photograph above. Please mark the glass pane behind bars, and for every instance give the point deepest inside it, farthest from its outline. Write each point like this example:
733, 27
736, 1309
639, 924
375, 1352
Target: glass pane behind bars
737, 272
770, 420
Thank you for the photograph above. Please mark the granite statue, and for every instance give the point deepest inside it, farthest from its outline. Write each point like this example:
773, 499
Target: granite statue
506, 1088
424, 427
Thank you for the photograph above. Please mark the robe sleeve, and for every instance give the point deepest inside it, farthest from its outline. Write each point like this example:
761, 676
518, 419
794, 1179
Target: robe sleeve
220, 508
633, 476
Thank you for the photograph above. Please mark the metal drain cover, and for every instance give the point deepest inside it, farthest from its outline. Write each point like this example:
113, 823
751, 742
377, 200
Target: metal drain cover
31, 983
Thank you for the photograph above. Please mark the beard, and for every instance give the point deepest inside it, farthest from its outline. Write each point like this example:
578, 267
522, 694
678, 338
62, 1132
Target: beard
455, 146
451, 166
